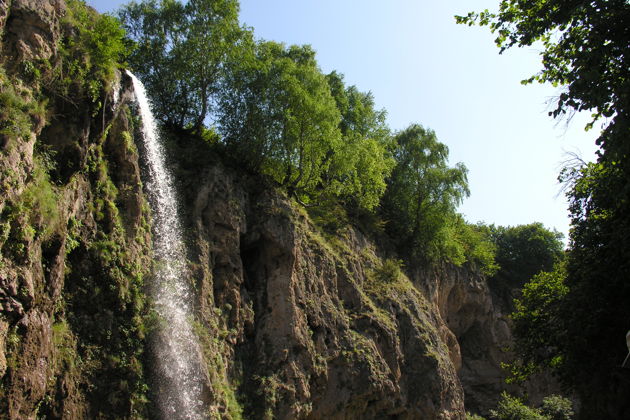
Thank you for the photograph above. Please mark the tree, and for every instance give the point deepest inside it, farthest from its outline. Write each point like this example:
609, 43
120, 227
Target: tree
277, 112
525, 250
180, 54
366, 142
585, 50
538, 329
422, 194
281, 116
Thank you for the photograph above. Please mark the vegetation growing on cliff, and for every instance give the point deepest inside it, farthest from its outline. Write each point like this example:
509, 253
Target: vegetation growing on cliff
179, 52
553, 407
90, 53
71, 256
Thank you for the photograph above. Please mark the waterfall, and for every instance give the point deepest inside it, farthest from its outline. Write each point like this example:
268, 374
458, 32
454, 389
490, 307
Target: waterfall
178, 377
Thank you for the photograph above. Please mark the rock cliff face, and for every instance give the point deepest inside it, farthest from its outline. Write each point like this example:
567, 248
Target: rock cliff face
294, 322
477, 329
309, 330
474, 327
74, 238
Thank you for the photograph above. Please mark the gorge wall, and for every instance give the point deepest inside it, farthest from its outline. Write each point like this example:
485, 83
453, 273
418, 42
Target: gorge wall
294, 322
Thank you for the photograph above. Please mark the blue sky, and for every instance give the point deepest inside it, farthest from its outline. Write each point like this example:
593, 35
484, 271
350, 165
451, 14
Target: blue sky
423, 68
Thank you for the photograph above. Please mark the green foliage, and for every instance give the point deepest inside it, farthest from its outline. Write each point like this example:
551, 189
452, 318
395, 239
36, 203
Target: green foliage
584, 50
65, 351
525, 250
594, 312
180, 54
18, 109
537, 326
73, 234
389, 271
319, 140
268, 391
92, 49
511, 408
213, 354
532, 252
365, 148
281, 118
40, 202
472, 244
422, 195
33, 214
100, 36
556, 407
106, 306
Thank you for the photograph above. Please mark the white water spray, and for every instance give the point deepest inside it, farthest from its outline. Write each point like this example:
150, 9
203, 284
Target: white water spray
178, 374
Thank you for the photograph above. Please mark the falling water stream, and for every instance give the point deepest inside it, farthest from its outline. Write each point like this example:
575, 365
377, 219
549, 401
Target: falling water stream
177, 374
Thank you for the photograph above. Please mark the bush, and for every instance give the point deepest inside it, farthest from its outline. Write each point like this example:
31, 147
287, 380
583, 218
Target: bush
93, 47
18, 110
511, 408
557, 407
474, 417
389, 271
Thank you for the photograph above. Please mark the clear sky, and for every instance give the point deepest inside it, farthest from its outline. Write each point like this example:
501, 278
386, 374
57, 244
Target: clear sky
423, 68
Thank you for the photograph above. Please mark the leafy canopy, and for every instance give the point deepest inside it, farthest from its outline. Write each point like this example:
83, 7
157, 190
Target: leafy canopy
180, 52
280, 116
525, 250
364, 159
423, 193
323, 142
316, 138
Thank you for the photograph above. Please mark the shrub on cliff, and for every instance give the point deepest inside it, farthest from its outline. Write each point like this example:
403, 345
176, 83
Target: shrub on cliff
91, 49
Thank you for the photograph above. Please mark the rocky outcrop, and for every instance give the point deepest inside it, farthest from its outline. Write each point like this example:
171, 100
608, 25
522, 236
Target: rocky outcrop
30, 29
476, 328
474, 323
59, 242
74, 240
310, 333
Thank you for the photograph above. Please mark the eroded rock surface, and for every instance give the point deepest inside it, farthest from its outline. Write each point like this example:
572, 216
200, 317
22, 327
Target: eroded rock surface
30, 29
310, 333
